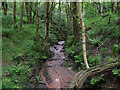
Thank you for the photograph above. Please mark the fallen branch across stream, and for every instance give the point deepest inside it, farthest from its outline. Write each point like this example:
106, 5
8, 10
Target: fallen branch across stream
82, 76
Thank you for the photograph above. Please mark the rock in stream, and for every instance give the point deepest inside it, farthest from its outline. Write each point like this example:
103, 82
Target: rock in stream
54, 74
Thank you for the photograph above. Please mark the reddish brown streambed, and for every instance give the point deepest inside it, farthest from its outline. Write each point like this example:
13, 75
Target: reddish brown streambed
54, 74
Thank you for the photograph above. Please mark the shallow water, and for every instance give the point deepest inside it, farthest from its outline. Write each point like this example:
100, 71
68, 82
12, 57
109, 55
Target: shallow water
54, 74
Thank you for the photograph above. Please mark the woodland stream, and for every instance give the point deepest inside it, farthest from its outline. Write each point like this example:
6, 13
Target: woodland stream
54, 73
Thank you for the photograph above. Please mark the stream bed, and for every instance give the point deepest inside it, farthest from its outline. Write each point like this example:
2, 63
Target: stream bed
54, 73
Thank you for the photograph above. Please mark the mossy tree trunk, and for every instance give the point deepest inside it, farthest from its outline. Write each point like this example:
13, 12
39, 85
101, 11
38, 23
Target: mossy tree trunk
81, 76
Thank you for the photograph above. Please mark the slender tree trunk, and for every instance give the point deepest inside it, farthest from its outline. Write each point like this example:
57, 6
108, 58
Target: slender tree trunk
83, 36
5, 6
33, 16
82, 7
59, 21
112, 6
98, 7
26, 7
75, 23
14, 15
104, 7
30, 12
47, 25
21, 19
70, 16
37, 20
117, 5
59, 18
101, 10
94, 9
68, 19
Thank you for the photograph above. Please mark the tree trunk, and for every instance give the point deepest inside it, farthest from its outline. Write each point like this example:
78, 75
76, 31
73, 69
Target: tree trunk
68, 19
81, 76
47, 25
14, 15
34, 13
30, 12
75, 23
101, 10
98, 7
83, 36
112, 6
59, 22
37, 20
117, 5
5, 6
104, 7
59, 18
82, 7
21, 19
26, 7
94, 9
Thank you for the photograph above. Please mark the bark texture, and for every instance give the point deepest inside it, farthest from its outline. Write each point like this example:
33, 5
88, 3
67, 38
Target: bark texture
75, 23
5, 7
47, 25
112, 6
30, 12
37, 20
14, 15
81, 76
21, 19
83, 37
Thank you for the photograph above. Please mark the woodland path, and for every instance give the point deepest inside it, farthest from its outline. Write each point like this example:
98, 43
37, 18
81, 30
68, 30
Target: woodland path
54, 73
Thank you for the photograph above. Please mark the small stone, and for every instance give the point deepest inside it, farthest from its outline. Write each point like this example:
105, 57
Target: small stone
61, 42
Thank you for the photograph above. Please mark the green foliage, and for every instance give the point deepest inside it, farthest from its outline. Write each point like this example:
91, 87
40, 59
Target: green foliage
115, 48
96, 80
20, 69
109, 59
116, 72
94, 60
89, 12
21, 47
95, 41
7, 21
69, 41
17, 75
71, 50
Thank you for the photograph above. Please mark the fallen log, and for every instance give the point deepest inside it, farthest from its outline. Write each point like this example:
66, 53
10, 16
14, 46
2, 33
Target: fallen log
82, 76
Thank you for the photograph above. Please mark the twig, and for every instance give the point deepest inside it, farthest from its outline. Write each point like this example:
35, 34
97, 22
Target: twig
101, 45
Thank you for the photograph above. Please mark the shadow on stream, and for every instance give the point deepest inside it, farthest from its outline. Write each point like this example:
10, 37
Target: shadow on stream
54, 73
